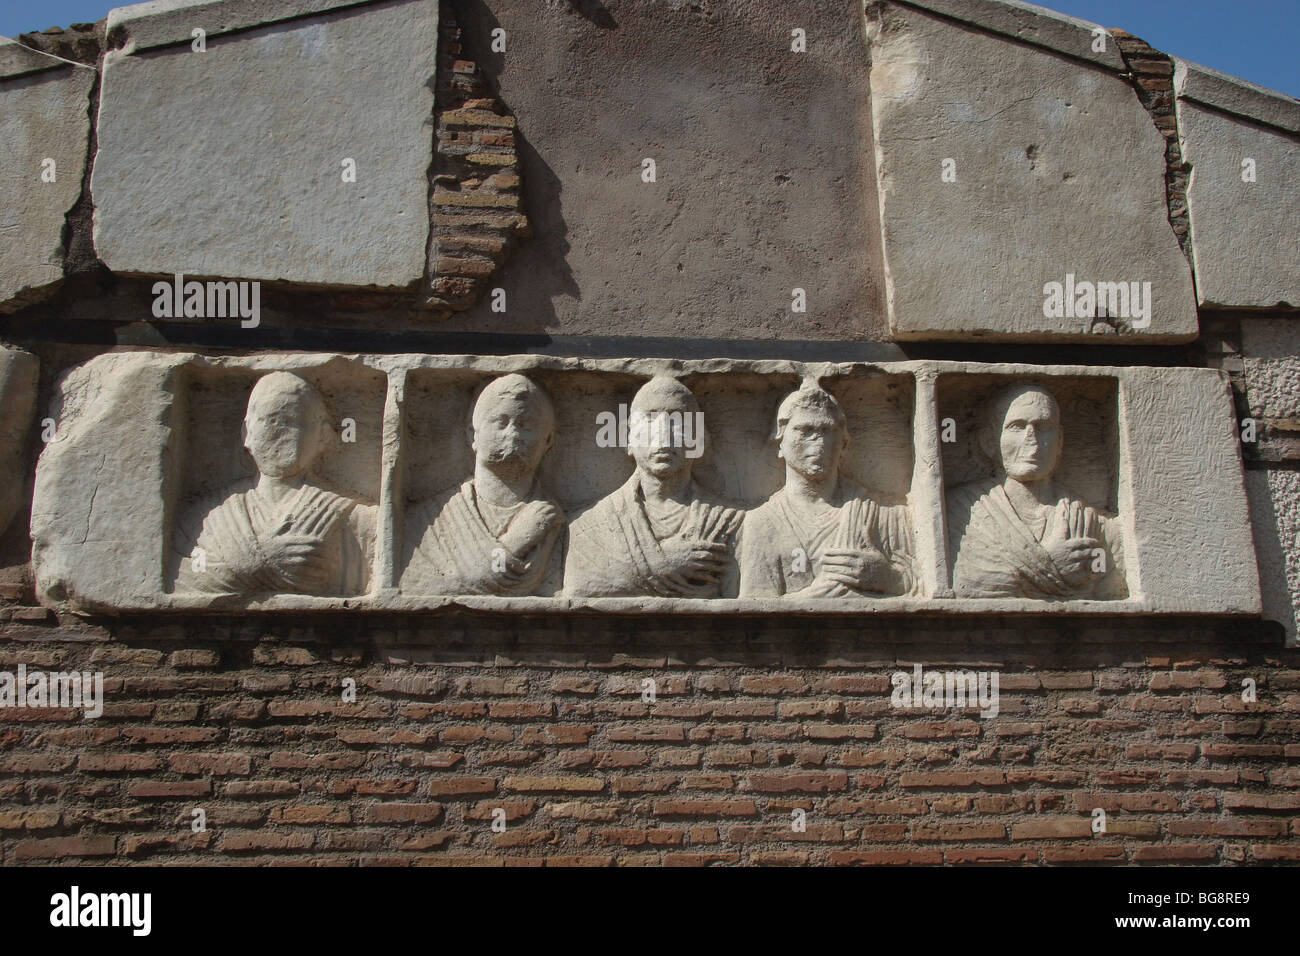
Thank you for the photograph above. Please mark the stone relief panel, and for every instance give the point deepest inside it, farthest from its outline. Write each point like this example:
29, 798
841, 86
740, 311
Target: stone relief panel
538, 483
279, 496
659, 533
496, 531
822, 534
1032, 488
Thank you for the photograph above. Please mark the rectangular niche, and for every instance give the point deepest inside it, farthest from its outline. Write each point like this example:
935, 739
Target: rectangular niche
1063, 444
220, 502
319, 432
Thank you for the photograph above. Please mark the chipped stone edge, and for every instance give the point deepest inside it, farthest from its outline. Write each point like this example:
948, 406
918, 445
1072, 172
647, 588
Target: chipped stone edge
144, 26
1031, 24
18, 59
1230, 94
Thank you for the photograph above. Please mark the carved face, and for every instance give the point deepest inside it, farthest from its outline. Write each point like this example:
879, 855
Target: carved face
1030, 443
656, 438
812, 442
282, 429
512, 431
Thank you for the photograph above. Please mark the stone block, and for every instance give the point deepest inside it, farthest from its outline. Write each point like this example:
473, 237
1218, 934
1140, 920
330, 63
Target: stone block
1182, 442
200, 150
762, 170
539, 483
1243, 144
45, 126
1002, 167
92, 520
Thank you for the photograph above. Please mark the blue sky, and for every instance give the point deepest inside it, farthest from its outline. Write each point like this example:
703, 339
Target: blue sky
1254, 39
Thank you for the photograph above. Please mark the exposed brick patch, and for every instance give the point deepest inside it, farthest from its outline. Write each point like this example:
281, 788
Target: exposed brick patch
1152, 75
475, 203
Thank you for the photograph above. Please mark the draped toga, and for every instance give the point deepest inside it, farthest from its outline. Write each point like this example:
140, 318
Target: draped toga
459, 548
997, 554
781, 551
235, 529
614, 546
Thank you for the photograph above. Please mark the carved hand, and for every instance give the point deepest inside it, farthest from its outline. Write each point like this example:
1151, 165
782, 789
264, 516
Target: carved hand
823, 587
865, 570
530, 526
512, 575
1073, 557
300, 560
692, 563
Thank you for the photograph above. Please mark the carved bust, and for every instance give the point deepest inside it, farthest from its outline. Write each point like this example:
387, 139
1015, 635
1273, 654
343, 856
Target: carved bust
822, 535
280, 532
496, 533
1020, 534
659, 534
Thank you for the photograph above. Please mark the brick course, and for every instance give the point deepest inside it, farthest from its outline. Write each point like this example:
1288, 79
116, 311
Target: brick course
766, 743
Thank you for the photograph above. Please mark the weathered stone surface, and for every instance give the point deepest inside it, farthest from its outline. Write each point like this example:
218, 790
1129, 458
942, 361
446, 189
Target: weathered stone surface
94, 532
763, 178
1034, 200
1032, 24
163, 22
1234, 95
44, 117
1200, 531
1271, 370
1243, 144
18, 373
1275, 518
1271, 363
200, 150
471, 481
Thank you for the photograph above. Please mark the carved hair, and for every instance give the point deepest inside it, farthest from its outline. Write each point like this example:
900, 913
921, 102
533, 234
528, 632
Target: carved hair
811, 398
512, 386
990, 434
665, 386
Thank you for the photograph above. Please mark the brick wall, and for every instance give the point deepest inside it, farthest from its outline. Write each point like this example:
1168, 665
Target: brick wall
544, 720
